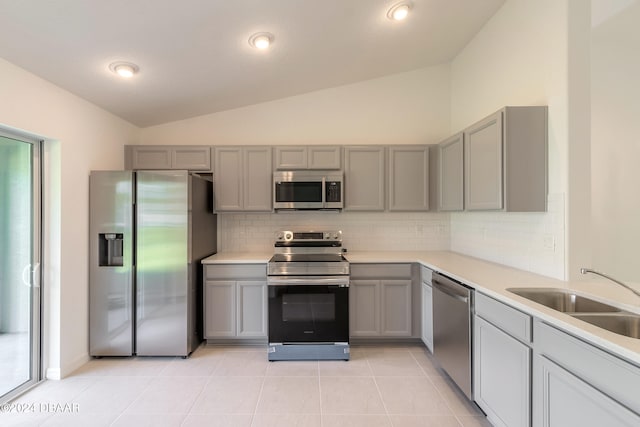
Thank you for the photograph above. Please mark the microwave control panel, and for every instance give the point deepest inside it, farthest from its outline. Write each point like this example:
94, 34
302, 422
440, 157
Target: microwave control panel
334, 191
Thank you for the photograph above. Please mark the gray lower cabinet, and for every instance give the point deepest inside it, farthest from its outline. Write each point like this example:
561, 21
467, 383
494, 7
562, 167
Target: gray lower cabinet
408, 181
505, 161
243, 179
427, 308
235, 309
380, 300
159, 157
529, 373
502, 363
395, 301
364, 178
502, 379
308, 157
568, 401
451, 173
252, 309
579, 385
220, 310
364, 308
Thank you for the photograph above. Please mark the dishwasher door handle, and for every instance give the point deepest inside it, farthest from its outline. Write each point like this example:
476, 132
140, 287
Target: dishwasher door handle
447, 290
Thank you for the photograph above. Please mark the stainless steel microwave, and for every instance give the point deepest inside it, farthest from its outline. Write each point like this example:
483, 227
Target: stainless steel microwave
312, 190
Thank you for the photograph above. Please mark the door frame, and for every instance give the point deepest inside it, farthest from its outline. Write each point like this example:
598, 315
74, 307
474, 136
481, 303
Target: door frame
37, 303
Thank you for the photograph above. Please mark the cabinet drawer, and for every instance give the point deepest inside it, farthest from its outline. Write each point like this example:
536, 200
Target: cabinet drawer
235, 271
381, 271
510, 320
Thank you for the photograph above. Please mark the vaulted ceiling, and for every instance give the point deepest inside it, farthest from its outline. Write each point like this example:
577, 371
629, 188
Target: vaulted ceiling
195, 59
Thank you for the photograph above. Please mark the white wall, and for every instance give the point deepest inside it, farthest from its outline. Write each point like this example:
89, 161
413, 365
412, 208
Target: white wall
615, 140
78, 137
520, 57
405, 108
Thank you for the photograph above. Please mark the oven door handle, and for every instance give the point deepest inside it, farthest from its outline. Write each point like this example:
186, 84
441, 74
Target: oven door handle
306, 281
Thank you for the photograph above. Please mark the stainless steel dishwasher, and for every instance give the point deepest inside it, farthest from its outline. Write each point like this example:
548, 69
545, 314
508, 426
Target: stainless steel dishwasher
452, 306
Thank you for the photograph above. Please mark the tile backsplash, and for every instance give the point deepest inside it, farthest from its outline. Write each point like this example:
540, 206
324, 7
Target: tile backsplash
370, 231
529, 241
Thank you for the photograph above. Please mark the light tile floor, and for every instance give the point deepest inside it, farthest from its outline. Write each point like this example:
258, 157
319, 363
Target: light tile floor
386, 386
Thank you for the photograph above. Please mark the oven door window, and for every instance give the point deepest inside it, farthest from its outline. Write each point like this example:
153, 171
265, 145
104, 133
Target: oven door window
308, 308
289, 192
304, 313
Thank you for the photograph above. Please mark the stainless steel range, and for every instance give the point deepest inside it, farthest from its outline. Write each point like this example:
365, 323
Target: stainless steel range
308, 284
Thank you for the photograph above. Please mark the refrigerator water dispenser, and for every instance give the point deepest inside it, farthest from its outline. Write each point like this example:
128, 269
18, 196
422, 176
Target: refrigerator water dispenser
110, 249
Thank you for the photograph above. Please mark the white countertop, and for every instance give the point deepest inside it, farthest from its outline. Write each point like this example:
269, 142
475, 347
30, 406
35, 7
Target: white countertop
238, 258
493, 280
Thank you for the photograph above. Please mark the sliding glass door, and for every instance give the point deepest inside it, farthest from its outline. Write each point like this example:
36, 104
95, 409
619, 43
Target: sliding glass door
19, 264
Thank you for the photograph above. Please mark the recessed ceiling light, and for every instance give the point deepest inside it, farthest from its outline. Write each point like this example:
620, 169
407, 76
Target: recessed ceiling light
124, 69
261, 40
399, 11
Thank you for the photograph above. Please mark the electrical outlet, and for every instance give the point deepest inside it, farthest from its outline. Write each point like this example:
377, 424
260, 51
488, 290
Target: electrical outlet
549, 242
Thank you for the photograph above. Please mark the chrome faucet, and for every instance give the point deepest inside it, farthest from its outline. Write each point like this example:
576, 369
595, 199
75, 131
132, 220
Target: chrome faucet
597, 273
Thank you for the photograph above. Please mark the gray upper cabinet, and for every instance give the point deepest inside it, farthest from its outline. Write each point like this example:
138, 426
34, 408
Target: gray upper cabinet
505, 161
308, 157
258, 179
451, 173
364, 178
158, 157
325, 157
243, 179
293, 157
193, 158
227, 179
483, 164
408, 182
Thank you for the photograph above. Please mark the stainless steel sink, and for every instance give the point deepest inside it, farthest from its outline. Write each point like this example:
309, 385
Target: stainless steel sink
599, 314
563, 300
620, 323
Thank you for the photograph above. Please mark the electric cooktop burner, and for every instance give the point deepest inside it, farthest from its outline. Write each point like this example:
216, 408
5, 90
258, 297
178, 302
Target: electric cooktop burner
308, 253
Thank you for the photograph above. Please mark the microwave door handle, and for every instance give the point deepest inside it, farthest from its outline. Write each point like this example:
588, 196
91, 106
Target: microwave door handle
324, 192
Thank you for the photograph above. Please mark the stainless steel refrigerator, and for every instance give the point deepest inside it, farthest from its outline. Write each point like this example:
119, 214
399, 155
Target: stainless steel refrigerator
149, 230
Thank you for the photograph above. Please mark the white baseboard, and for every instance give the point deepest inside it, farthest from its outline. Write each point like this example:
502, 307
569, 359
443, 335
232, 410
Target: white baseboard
60, 373
53, 374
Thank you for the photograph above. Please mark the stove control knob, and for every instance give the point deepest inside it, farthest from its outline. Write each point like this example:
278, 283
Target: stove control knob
280, 236
288, 235
335, 236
